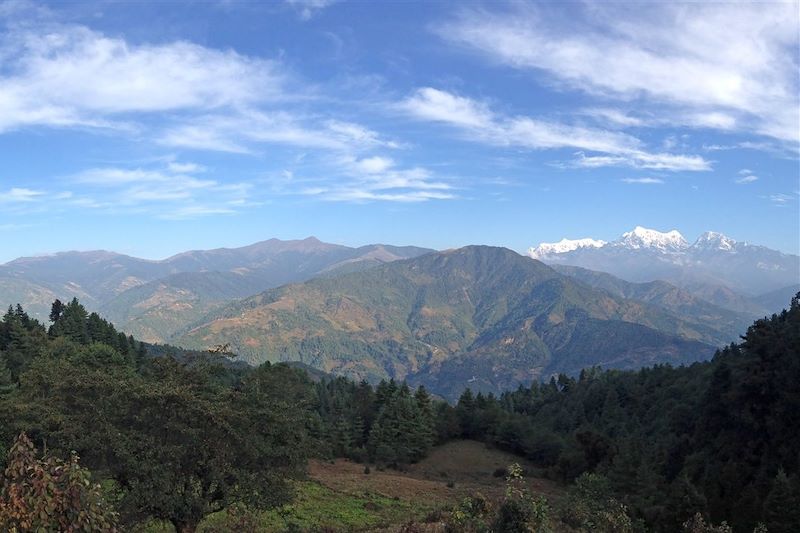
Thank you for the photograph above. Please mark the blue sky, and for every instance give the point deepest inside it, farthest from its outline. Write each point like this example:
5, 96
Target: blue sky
152, 129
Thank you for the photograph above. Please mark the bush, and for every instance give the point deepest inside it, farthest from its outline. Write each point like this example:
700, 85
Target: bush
48, 494
589, 506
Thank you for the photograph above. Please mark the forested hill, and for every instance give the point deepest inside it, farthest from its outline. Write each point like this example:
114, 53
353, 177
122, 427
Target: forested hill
719, 438
478, 316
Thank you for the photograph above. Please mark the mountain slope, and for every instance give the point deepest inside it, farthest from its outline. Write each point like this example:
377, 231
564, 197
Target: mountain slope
445, 318
729, 324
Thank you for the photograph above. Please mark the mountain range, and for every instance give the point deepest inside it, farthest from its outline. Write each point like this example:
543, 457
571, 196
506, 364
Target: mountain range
477, 316
154, 299
729, 273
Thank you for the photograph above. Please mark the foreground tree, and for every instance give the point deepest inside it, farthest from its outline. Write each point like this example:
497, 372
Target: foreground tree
178, 445
48, 494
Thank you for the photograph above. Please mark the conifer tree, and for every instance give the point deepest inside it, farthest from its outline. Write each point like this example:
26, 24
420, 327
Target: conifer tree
782, 506
6, 379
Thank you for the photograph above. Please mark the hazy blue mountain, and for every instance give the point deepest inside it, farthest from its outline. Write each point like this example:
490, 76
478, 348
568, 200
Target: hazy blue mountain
155, 299
681, 302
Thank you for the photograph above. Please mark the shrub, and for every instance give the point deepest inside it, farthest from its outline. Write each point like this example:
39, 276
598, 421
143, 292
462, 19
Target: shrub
48, 494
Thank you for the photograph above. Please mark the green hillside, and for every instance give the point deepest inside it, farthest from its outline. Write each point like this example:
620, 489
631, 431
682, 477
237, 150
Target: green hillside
479, 316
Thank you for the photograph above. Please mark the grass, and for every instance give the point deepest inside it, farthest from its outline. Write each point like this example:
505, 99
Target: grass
317, 506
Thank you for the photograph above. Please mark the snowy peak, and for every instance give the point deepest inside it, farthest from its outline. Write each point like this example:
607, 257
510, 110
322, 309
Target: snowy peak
711, 240
563, 246
671, 241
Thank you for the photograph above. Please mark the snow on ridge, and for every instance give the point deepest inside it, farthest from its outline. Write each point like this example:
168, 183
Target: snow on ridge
563, 246
641, 238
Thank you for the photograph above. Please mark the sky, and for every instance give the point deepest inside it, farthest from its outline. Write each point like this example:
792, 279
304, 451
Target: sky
154, 128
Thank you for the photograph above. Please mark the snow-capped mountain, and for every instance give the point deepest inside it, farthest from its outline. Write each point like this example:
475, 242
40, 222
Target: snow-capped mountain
671, 241
564, 245
713, 259
711, 240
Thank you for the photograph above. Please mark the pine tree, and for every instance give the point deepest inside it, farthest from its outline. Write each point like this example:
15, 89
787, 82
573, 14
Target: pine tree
6, 379
55, 310
72, 324
781, 512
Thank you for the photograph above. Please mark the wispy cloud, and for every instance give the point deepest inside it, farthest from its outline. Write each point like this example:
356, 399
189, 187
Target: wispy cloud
242, 132
185, 168
643, 181
19, 194
307, 9
179, 94
195, 211
369, 179
725, 66
780, 199
746, 176
480, 123
167, 192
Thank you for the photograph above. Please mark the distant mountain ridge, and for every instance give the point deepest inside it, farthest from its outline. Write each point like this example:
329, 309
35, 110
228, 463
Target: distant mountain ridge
713, 259
479, 316
154, 299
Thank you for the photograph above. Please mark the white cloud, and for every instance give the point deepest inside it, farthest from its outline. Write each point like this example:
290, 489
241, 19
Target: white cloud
19, 194
441, 106
643, 181
178, 93
66, 75
481, 124
717, 65
374, 165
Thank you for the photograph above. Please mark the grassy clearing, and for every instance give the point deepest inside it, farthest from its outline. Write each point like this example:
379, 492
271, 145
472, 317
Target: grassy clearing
340, 496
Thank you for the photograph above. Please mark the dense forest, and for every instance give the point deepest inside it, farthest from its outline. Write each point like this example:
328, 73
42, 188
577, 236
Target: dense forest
99, 433
719, 438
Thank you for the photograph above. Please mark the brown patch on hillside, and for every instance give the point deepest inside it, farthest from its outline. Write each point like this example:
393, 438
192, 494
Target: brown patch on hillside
469, 465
